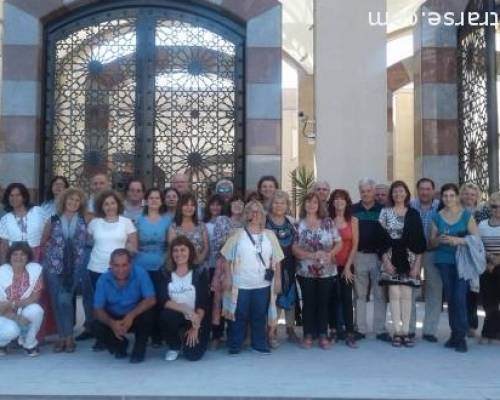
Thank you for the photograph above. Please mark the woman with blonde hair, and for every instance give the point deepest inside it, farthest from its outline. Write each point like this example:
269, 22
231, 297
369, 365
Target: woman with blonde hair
252, 273
470, 198
279, 221
65, 238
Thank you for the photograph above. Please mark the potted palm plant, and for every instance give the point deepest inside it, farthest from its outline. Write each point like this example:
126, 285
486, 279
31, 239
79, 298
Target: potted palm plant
302, 183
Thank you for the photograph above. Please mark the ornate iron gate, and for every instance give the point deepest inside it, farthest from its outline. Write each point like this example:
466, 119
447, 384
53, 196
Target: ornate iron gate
478, 129
145, 91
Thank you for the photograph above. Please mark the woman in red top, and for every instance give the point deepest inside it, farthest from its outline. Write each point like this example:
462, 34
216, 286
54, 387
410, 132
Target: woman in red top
339, 207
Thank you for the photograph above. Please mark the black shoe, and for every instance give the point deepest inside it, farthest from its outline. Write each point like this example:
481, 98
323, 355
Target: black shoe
136, 358
412, 335
430, 338
407, 341
461, 346
359, 336
384, 337
234, 352
34, 352
450, 343
98, 346
3, 351
85, 335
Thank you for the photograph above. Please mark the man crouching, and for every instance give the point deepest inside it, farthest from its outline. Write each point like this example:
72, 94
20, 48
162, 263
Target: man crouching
123, 303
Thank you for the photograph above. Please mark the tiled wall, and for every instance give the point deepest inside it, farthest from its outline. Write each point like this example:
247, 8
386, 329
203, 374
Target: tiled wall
20, 126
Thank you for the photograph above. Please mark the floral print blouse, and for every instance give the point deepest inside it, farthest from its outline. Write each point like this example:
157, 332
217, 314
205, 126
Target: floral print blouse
323, 238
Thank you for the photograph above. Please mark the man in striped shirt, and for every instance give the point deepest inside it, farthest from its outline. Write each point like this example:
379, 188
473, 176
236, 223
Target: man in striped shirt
427, 206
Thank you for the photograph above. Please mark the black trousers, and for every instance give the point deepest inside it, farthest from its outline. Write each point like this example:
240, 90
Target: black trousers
156, 334
344, 298
316, 294
174, 325
141, 328
490, 296
472, 303
216, 330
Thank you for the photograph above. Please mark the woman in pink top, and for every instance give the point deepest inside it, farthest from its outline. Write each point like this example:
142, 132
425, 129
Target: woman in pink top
339, 207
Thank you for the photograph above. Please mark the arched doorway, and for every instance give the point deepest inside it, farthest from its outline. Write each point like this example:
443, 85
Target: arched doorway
477, 102
145, 90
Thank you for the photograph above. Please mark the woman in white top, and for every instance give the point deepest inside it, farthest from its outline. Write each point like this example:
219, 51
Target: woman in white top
183, 294
109, 231
20, 287
253, 255
23, 221
489, 230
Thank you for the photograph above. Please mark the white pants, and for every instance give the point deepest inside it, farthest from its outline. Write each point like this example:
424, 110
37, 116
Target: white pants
10, 330
400, 301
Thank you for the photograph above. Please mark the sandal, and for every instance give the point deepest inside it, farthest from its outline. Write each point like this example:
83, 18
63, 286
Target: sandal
70, 346
274, 342
350, 342
307, 342
408, 342
59, 346
324, 343
396, 341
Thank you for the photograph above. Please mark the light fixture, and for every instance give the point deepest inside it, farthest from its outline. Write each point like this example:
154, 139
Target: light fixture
307, 127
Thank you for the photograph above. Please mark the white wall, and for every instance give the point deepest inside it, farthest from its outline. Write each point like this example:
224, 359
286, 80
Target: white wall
351, 92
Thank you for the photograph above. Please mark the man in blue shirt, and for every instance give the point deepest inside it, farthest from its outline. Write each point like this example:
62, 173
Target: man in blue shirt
123, 303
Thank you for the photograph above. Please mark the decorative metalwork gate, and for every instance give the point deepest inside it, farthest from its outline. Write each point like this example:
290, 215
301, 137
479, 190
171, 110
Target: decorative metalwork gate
145, 91
477, 100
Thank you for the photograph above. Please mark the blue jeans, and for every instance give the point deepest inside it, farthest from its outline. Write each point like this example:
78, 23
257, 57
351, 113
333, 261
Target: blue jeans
62, 304
251, 308
455, 294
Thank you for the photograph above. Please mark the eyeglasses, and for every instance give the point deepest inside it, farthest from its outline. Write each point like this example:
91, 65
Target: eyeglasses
494, 206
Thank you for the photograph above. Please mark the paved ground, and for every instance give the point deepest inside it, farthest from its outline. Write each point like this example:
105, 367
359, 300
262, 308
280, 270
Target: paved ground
374, 371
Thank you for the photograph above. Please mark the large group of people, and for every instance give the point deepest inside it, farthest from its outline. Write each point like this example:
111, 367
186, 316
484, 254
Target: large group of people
157, 265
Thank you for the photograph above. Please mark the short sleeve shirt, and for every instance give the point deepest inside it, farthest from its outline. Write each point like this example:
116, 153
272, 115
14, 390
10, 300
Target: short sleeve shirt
248, 269
119, 300
152, 238
322, 238
108, 236
26, 229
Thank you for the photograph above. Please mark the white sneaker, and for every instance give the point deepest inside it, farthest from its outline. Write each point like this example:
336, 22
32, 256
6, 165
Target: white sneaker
171, 355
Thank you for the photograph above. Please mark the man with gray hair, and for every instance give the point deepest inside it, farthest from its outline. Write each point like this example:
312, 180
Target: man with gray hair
381, 194
180, 182
367, 261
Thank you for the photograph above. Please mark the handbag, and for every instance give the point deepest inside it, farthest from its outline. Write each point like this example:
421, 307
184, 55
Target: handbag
269, 274
287, 300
